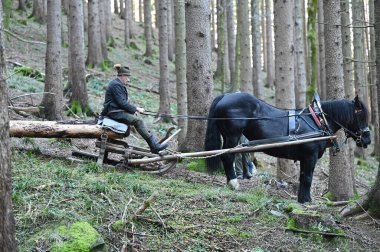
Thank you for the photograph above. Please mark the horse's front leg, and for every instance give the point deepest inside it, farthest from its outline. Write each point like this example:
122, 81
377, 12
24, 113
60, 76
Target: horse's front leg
228, 164
306, 178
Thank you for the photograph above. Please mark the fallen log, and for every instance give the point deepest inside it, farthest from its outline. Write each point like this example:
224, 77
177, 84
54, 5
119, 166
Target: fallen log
53, 129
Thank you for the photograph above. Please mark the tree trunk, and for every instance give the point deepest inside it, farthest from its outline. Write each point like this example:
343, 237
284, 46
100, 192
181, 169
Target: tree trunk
199, 69
127, 26
258, 88
231, 39
245, 49
21, 5
321, 54
213, 40
116, 6
122, 9
373, 72
164, 71
170, 31
340, 178
300, 87
94, 57
7, 223
77, 69
180, 69
348, 79
52, 129
53, 104
108, 18
269, 44
141, 11
103, 28
284, 74
148, 28
38, 11
219, 73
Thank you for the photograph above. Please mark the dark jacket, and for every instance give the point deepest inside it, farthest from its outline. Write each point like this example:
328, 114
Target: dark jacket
117, 98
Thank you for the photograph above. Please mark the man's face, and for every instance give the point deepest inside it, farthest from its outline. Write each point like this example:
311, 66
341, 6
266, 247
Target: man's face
124, 79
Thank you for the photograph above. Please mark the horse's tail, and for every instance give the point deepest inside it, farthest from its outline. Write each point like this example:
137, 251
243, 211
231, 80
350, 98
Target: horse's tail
213, 139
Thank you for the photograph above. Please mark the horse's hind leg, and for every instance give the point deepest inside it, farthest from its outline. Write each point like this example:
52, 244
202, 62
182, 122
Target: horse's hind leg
228, 162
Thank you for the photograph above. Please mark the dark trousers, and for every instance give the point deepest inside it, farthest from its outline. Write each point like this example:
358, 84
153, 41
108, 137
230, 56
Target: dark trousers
133, 120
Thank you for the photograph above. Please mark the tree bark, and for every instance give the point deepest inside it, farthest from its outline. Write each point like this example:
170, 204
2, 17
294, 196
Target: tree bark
245, 50
77, 68
199, 69
127, 24
269, 43
53, 104
103, 28
373, 87
231, 39
94, 57
38, 11
300, 87
148, 28
21, 5
284, 73
321, 54
7, 222
170, 30
180, 69
164, 71
53, 129
340, 179
258, 87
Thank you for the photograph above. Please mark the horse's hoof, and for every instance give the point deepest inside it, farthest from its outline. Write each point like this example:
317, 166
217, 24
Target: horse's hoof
233, 184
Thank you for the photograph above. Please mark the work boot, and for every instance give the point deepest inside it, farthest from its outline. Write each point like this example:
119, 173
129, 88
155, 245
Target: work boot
154, 146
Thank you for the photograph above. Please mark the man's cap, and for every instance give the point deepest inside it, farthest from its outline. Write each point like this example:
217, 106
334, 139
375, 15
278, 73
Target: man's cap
122, 70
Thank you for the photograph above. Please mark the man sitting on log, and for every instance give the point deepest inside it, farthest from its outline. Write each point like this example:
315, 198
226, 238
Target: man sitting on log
117, 107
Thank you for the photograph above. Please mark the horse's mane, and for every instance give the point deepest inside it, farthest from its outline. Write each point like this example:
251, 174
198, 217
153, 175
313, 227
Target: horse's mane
342, 110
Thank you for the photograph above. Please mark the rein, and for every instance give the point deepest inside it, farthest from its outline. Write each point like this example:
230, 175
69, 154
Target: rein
151, 113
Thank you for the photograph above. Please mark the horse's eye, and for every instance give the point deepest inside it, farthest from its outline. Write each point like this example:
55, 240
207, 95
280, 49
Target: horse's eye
358, 111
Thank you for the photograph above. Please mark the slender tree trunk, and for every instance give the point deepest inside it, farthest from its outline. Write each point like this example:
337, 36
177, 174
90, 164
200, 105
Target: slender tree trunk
94, 57
180, 69
231, 39
141, 11
53, 104
7, 223
348, 70
77, 69
300, 66
340, 177
126, 24
103, 28
116, 6
373, 73
21, 5
108, 19
245, 49
321, 50
284, 74
226, 71
199, 69
164, 71
258, 88
213, 40
148, 28
264, 36
38, 11
220, 40
122, 9
170, 31
269, 44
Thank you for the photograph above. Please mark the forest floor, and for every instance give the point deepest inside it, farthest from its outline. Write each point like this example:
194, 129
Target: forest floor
194, 211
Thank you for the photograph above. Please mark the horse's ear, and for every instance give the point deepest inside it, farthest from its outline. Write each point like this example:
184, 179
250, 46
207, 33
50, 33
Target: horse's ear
357, 102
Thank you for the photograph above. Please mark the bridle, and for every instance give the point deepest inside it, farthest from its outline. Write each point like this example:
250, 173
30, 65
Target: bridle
357, 135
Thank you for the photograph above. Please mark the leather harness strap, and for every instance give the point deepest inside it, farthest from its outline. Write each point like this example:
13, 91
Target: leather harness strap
315, 117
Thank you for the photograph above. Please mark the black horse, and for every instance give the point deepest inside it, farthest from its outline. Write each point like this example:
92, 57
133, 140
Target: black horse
234, 114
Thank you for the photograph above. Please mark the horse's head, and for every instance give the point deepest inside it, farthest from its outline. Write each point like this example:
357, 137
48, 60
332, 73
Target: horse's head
359, 129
